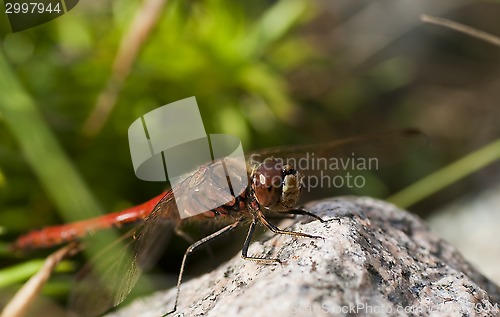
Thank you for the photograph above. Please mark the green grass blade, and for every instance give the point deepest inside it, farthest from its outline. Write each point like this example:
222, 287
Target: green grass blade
41, 149
21, 272
447, 175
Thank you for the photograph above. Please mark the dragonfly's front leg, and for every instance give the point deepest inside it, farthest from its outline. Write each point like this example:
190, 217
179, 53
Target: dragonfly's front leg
277, 230
307, 213
304, 213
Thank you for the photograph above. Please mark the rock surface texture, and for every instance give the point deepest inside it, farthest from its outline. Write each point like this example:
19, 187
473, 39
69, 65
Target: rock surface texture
375, 259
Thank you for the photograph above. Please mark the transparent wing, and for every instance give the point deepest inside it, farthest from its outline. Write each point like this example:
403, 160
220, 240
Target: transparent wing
387, 145
337, 164
107, 279
110, 276
154, 233
104, 282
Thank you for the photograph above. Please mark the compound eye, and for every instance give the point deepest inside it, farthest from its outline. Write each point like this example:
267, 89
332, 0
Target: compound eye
267, 183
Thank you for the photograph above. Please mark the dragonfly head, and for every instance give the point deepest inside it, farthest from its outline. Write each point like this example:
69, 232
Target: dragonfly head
276, 186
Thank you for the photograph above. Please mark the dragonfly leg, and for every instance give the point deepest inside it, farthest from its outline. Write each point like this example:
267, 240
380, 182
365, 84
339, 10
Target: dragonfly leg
193, 247
246, 244
281, 216
304, 213
277, 230
184, 235
307, 213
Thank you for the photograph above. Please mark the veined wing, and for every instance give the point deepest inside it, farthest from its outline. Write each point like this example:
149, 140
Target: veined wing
366, 145
109, 277
329, 165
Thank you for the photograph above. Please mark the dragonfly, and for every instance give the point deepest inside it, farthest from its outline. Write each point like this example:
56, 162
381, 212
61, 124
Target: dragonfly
273, 187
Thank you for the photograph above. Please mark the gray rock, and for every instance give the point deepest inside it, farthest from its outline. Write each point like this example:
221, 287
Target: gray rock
377, 260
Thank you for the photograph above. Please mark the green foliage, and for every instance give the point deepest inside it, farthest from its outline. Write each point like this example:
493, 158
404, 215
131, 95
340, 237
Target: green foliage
232, 60
256, 74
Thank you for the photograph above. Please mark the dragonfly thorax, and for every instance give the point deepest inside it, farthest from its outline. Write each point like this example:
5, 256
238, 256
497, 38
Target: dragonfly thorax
276, 186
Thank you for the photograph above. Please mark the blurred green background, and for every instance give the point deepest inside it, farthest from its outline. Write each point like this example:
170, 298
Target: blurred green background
270, 72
